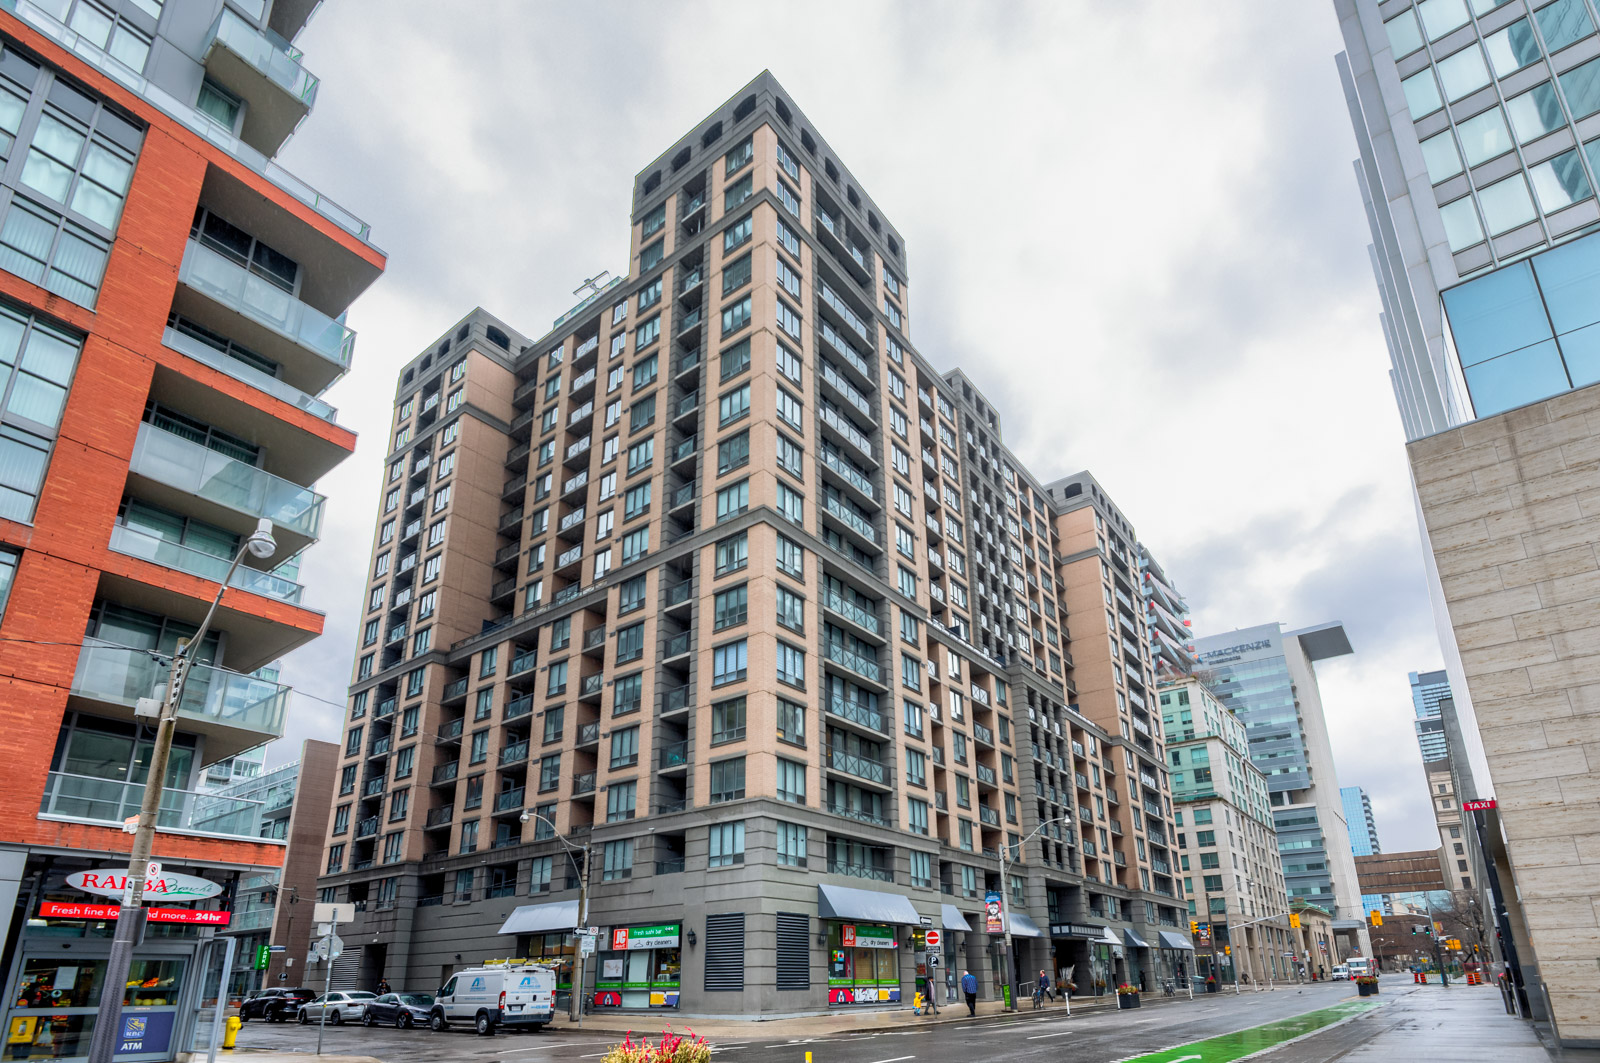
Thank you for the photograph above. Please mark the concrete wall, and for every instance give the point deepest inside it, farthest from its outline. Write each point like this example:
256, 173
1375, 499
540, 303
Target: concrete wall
1512, 507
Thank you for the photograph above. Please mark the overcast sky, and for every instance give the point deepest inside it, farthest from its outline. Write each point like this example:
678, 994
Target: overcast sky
1133, 224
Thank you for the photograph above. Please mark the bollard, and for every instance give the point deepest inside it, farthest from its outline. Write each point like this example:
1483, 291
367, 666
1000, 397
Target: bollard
231, 1031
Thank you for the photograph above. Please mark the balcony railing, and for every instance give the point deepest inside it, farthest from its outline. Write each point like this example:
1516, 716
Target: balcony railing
879, 874
225, 281
201, 351
437, 817
849, 472
186, 466
859, 766
857, 663
583, 784
588, 733
507, 800
47, 23
514, 754
455, 688
87, 799
135, 543
839, 423
989, 816
857, 713
675, 699
211, 696
367, 828
983, 734
860, 815
269, 53
852, 520
446, 772
451, 732
852, 612
986, 775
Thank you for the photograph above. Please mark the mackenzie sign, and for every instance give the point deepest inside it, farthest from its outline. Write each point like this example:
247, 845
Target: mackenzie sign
169, 886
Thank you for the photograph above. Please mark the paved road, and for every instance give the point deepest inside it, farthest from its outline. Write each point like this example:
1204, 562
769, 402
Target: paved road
1091, 1037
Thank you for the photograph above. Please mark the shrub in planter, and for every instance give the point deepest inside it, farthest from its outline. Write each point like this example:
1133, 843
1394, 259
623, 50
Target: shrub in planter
1127, 996
1367, 985
670, 1049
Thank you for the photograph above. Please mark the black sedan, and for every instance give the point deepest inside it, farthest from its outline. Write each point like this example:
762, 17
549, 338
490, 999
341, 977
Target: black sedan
400, 1010
275, 1005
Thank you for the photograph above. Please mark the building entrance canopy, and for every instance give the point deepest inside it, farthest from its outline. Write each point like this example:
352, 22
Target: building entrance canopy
541, 918
1133, 940
864, 906
952, 919
1174, 941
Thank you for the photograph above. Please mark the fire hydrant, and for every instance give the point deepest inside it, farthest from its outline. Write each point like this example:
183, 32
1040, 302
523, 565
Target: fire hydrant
231, 1031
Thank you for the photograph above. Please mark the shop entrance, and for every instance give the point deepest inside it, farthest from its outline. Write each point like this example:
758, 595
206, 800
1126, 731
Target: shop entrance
641, 969
863, 964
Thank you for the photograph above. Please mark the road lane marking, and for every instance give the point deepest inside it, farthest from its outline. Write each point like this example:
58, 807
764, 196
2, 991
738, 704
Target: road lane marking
895, 1059
540, 1048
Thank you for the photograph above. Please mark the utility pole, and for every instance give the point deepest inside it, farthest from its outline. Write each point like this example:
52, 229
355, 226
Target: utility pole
574, 997
1005, 912
131, 919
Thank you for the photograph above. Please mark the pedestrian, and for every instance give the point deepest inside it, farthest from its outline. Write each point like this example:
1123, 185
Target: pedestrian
969, 986
383, 986
1044, 985
917, 1003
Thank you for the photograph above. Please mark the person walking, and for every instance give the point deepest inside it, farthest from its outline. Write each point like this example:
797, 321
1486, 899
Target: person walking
969, 986
383, 986
1044, 985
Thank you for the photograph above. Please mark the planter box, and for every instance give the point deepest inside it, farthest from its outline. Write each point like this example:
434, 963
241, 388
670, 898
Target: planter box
1211, 987
1127, 1000
1367, 990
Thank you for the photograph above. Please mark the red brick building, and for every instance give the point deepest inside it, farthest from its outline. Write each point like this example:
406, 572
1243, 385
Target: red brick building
171, 304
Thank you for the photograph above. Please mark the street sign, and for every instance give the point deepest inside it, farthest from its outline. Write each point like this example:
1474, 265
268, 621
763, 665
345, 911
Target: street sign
130, 825
926, 920
277, 948
932, 938
933, 959
330, 947
329, 912
592, 931
586, 945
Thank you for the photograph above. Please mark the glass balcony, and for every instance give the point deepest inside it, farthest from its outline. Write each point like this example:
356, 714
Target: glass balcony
209, 355
268, 57
46, 22
319, 347
235, 712
86, 799
194, 469
134, 543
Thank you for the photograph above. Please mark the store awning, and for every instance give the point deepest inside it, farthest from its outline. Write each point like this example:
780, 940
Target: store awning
950, 918
1174, 941
541, 918
1134, 940
865, 906
1107, 937
1023, 927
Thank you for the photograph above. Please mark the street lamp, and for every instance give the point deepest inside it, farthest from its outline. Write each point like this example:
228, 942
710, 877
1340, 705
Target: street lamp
1005, 913
574, 1011
131, 920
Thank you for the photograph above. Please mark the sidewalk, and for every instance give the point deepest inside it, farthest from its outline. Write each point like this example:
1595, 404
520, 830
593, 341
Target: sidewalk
843, 1022
1468, 1023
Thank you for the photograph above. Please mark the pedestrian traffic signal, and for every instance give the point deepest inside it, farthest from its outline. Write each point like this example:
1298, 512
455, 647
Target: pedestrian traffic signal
1377, 917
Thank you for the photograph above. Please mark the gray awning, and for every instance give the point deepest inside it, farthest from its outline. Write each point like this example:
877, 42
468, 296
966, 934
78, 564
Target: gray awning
1107, 937
1174, 941
539, 918
865, 906
1023, 927
952, 919
1134, 940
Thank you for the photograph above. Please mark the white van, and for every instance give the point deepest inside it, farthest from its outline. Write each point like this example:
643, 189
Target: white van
1359, 966
505, 995
1340, 973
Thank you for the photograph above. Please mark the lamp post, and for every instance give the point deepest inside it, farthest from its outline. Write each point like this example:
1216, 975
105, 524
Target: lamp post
1005, 911
574, 1009
131, 920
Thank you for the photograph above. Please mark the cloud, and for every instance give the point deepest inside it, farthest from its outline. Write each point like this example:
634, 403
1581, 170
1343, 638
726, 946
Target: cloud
1133, 225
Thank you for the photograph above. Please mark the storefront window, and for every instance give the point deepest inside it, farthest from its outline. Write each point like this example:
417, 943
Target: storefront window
641, 969
53, 1014
863, 964
557, 950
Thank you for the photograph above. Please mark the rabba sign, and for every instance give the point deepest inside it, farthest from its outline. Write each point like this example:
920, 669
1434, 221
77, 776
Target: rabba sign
168, 886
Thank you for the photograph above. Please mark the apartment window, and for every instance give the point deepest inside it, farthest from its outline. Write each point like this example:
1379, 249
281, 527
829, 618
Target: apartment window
727, 841
787, 277
603, 525
642, 413
641, 455
917, 815
452, 432
539, 874
33, 393
548, 419
631, 595
735, 360
488, 661
728, 663
533, 594
789, 410
358, 703
904, 541
370, 633
421, 642
791, 503
479, 751
386, 533
546, 454
964, 834
735, 316
792, 841
791, 558
791, 721
916, 768
727, 780
620, 801
630, 643
789, 459
391, 846
733, 500
791, 665
549, 772
735, 275
554, 721
898, 422
733, 405
651, 256
436, 533
635, 545
364, 667
733, 553
624, 748
335, 858
788, 240
391, 501
733, 452
791, 781
636, 501
485, 704
341, 815
729, 607
441, 498
921, 869
727, 721
539, 523
627, 694
907, 581
650, 294
788, 320
791, 610
556, 679
561, 634
653, 223
737, 234
614, 408
741, 154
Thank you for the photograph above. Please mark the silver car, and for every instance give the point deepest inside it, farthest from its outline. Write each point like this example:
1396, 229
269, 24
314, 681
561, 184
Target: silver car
341, 1007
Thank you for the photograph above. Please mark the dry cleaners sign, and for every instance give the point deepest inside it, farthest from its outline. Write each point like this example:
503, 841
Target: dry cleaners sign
167, 886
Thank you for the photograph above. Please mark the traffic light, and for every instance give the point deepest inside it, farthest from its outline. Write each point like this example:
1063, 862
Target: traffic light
1455, 944
1194, 926
1294, 920
1227, 950
1377, 917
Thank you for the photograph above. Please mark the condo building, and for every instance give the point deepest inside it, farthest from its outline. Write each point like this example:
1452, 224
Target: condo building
1267, 677
1476, 125
1166, 617
718, 602
172, 306
1363, 838
1226, 841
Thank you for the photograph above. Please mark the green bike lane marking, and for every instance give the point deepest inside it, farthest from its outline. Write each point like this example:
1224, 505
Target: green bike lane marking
1225, 1048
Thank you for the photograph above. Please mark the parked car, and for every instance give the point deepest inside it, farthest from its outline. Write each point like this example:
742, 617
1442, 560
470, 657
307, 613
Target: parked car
402, 1010
342, 1007
274, 1005
1340, 973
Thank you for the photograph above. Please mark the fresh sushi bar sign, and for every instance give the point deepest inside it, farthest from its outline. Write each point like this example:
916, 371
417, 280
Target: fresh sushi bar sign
165, 885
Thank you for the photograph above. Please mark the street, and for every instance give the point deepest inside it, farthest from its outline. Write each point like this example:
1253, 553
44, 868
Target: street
1094, 1036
